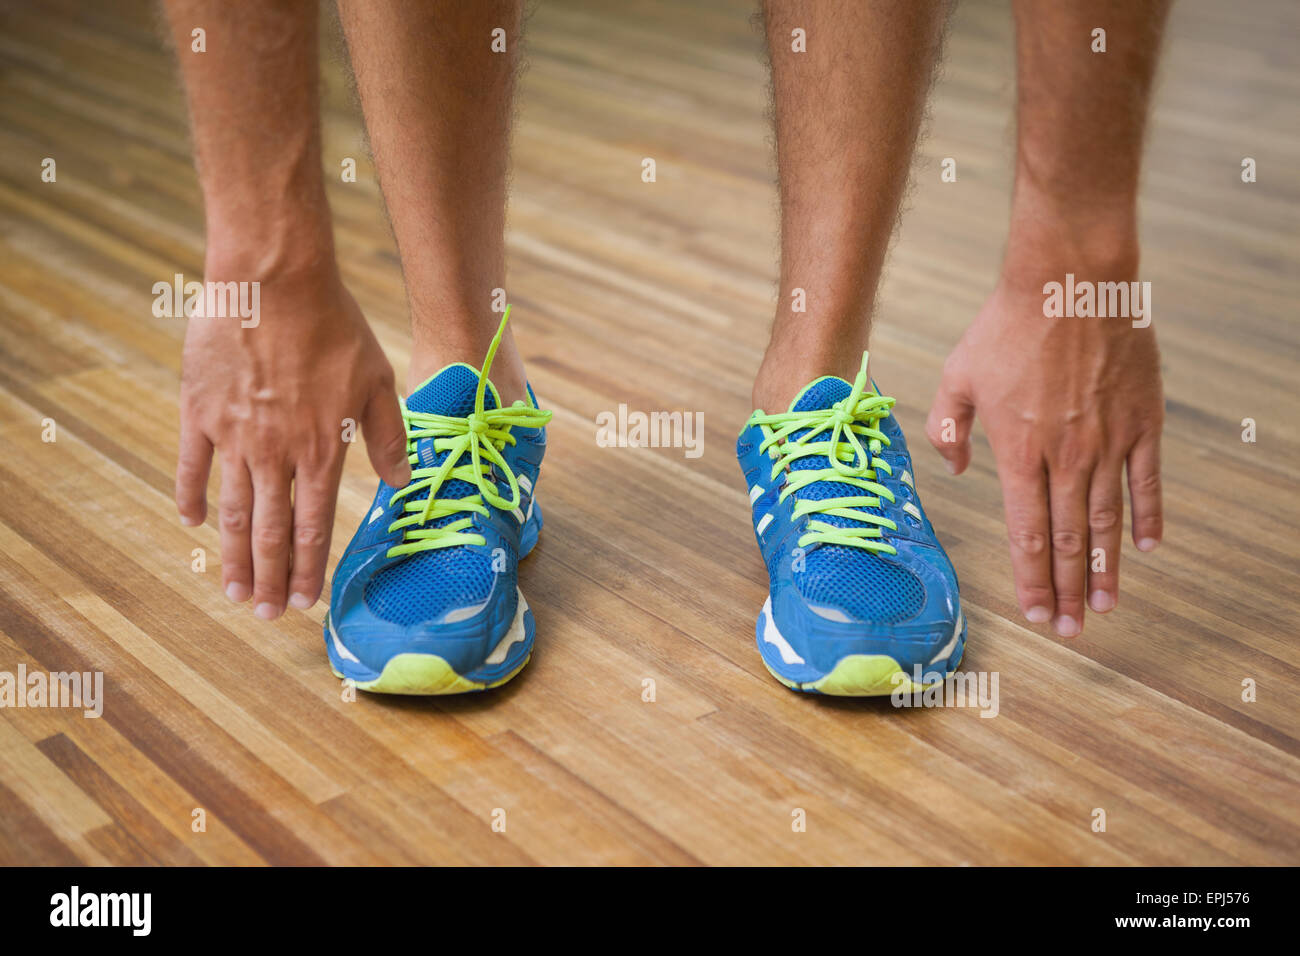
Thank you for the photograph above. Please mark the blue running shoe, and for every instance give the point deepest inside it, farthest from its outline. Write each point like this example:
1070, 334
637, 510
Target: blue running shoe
425, 599
862, 599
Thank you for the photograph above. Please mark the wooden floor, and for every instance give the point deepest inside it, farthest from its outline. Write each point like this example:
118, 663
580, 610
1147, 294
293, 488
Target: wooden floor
657, 296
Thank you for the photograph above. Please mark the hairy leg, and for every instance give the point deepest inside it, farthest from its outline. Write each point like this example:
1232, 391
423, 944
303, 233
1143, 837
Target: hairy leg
847, 112
437, 101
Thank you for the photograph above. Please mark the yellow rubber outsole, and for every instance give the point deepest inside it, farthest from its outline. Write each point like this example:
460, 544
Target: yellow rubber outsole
861, 675
426, 675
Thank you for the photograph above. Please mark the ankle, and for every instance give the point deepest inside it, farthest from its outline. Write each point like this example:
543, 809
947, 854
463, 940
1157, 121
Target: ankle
805, 347
507, 371
783, 375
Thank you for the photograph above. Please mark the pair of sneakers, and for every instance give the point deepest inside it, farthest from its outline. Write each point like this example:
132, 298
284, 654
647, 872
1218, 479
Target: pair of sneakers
862, 599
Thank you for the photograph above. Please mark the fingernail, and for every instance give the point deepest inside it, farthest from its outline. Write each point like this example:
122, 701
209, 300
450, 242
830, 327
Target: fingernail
237, 592
300, 601
1101, 601
1147, 544
952, 469
188, 521
1067, 626
267, 611
1038, 615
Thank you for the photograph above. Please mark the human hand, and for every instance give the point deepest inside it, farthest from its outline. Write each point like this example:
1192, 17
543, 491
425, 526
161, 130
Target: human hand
1066, 403
273, 400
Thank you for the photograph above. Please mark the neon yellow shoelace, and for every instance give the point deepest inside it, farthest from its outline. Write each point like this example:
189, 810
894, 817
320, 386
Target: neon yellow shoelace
856, 416
483, 434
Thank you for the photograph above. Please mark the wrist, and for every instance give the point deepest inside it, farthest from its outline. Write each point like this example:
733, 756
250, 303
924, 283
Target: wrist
275, 248
299, 290
1052, 234
270, 224
1041, 251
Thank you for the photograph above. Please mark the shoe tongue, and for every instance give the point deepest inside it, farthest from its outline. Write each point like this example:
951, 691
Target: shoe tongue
821, 393
451, 392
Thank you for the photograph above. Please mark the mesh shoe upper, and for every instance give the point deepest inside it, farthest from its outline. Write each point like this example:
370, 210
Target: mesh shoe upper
865, 585
426, 585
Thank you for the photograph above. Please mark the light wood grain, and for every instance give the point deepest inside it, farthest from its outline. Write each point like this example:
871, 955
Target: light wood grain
657, 296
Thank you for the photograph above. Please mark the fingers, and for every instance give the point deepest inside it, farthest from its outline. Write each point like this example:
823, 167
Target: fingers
949, 423
193, 462
1144, 491
235, 522
315, 490
1105, 530
264, 534
271, 535
1068, 500
1024, 499
385, 434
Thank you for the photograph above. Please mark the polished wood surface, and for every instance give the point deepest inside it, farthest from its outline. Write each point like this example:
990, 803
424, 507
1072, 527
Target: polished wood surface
656, 295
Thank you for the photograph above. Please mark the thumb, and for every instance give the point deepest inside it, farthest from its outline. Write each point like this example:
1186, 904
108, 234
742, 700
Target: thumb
386, 438
951, 416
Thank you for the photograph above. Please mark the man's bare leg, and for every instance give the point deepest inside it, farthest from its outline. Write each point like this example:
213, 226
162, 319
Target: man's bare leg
272, 399
437, 103
854, 607
1067, 402
847, 115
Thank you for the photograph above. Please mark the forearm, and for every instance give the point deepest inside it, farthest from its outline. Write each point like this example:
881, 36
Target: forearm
1080, 121
254, 111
